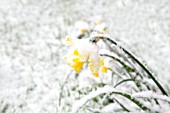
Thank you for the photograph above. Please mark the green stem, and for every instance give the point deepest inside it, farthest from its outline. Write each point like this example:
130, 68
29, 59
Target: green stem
127, 68
141, 65
132, 99
125, 80
124, 108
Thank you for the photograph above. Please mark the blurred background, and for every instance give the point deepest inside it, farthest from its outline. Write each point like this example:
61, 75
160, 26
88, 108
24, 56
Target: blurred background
31, 44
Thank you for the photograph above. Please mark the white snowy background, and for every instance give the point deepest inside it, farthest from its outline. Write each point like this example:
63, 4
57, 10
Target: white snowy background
32, 68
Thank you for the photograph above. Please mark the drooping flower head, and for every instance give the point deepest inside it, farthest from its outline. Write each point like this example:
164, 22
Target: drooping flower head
81, 26
82, 50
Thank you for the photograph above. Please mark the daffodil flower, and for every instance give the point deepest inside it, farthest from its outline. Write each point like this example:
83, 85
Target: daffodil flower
81, 51
104, 69
82, 26
101, 28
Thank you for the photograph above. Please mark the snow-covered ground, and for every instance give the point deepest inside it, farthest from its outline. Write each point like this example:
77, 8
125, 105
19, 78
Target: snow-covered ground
31, 45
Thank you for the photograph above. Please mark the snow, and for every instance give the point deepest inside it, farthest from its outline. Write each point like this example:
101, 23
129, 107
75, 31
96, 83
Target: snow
151, 95
79, 104
32, 67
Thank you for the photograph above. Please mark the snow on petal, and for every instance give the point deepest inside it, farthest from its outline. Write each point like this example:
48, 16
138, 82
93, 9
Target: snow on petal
83, 50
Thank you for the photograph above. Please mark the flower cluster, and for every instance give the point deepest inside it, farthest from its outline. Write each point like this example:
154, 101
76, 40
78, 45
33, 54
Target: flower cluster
93, 24
82, 50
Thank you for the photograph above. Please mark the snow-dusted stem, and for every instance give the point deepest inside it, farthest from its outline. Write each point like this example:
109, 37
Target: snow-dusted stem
105, 90
151, 95
140, 64
95, 37
124, 108
62, 86
128, 69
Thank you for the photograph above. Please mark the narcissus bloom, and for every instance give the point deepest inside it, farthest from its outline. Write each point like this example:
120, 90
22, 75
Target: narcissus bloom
82, 26
101, 28
82, 50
